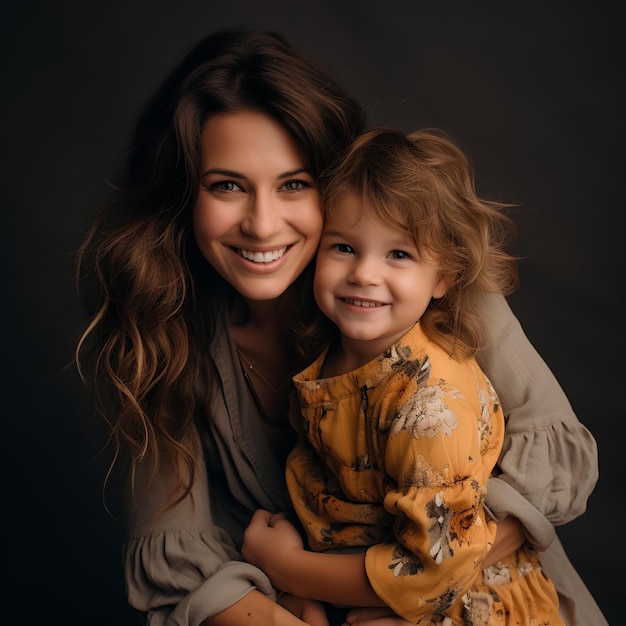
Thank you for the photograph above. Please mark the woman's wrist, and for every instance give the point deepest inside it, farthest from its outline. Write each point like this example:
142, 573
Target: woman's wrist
254, 608
509, 537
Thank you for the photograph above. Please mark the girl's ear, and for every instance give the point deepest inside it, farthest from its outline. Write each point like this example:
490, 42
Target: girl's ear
440, 289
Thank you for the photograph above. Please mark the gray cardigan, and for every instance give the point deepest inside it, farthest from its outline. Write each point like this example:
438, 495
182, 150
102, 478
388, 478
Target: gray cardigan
186, 566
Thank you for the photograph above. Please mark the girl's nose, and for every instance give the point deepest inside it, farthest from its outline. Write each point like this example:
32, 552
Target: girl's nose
365, 271
262, 218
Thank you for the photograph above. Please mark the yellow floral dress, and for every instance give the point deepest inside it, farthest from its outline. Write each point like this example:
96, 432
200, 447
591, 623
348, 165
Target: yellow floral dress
393, 458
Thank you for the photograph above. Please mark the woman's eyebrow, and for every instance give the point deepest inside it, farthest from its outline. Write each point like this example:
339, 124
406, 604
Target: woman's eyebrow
233, 174
221, 172
300, 170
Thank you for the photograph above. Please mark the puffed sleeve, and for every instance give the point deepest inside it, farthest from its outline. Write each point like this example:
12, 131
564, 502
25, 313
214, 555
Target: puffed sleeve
549, 461
441, 449
181, 568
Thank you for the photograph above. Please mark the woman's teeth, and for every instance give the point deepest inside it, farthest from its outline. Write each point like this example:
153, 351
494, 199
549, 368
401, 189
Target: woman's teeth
261, 257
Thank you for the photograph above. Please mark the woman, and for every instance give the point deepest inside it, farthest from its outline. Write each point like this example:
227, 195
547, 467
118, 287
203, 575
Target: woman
202, 261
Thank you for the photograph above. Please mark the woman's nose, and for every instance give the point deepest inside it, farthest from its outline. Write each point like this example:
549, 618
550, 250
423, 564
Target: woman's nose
262, 218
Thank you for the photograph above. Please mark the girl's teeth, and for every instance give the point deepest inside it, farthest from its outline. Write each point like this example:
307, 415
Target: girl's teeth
363, 303
262, 257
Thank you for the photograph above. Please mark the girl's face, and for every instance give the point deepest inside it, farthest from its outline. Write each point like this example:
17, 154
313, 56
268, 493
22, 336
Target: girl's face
258, 217
370, 280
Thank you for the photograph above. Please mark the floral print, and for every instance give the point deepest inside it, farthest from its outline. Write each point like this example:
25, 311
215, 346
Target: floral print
394, 457
426, 414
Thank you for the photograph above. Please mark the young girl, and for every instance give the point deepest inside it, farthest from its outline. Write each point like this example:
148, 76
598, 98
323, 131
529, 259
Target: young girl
399, 428
197, 261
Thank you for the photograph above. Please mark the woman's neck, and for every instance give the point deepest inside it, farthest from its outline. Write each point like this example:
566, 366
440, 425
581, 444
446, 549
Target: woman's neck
266, 360
262, 315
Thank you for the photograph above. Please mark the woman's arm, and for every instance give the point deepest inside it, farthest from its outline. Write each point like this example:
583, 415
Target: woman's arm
549, 457
256, 608
180, 565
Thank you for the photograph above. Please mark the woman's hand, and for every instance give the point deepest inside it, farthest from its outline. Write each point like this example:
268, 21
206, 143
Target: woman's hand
510, 537
374, 617
269, 541
309, 611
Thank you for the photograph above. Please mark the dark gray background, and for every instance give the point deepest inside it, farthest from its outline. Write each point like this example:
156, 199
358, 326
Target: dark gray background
535, 95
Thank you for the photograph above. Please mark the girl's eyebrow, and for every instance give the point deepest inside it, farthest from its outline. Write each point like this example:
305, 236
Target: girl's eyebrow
334, 233
233, 174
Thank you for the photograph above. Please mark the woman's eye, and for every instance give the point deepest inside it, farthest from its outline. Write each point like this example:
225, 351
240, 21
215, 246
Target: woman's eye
296, 185
224, 185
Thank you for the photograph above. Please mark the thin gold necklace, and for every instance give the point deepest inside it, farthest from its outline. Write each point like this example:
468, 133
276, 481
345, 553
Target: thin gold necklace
247, 367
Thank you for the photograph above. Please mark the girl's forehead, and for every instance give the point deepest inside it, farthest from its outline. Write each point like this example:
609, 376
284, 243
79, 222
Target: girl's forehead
355, 204
352, 210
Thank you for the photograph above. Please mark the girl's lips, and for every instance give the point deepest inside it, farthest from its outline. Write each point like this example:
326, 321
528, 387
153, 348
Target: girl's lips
261, 257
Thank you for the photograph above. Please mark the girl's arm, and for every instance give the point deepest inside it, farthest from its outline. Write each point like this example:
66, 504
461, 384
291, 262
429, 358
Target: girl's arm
273, 544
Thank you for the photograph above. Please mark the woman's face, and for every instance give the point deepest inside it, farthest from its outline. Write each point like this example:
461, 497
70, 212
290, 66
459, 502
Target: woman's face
258, 216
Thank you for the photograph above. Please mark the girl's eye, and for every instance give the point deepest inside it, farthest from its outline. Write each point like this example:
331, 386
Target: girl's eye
343, 247
400, 254
297, 185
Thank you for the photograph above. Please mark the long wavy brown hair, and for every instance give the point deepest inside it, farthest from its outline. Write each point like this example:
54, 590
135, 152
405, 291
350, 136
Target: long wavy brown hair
423, 185
148, 290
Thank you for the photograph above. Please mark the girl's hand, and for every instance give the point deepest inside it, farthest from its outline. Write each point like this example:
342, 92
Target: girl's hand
269, 541
374, 617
